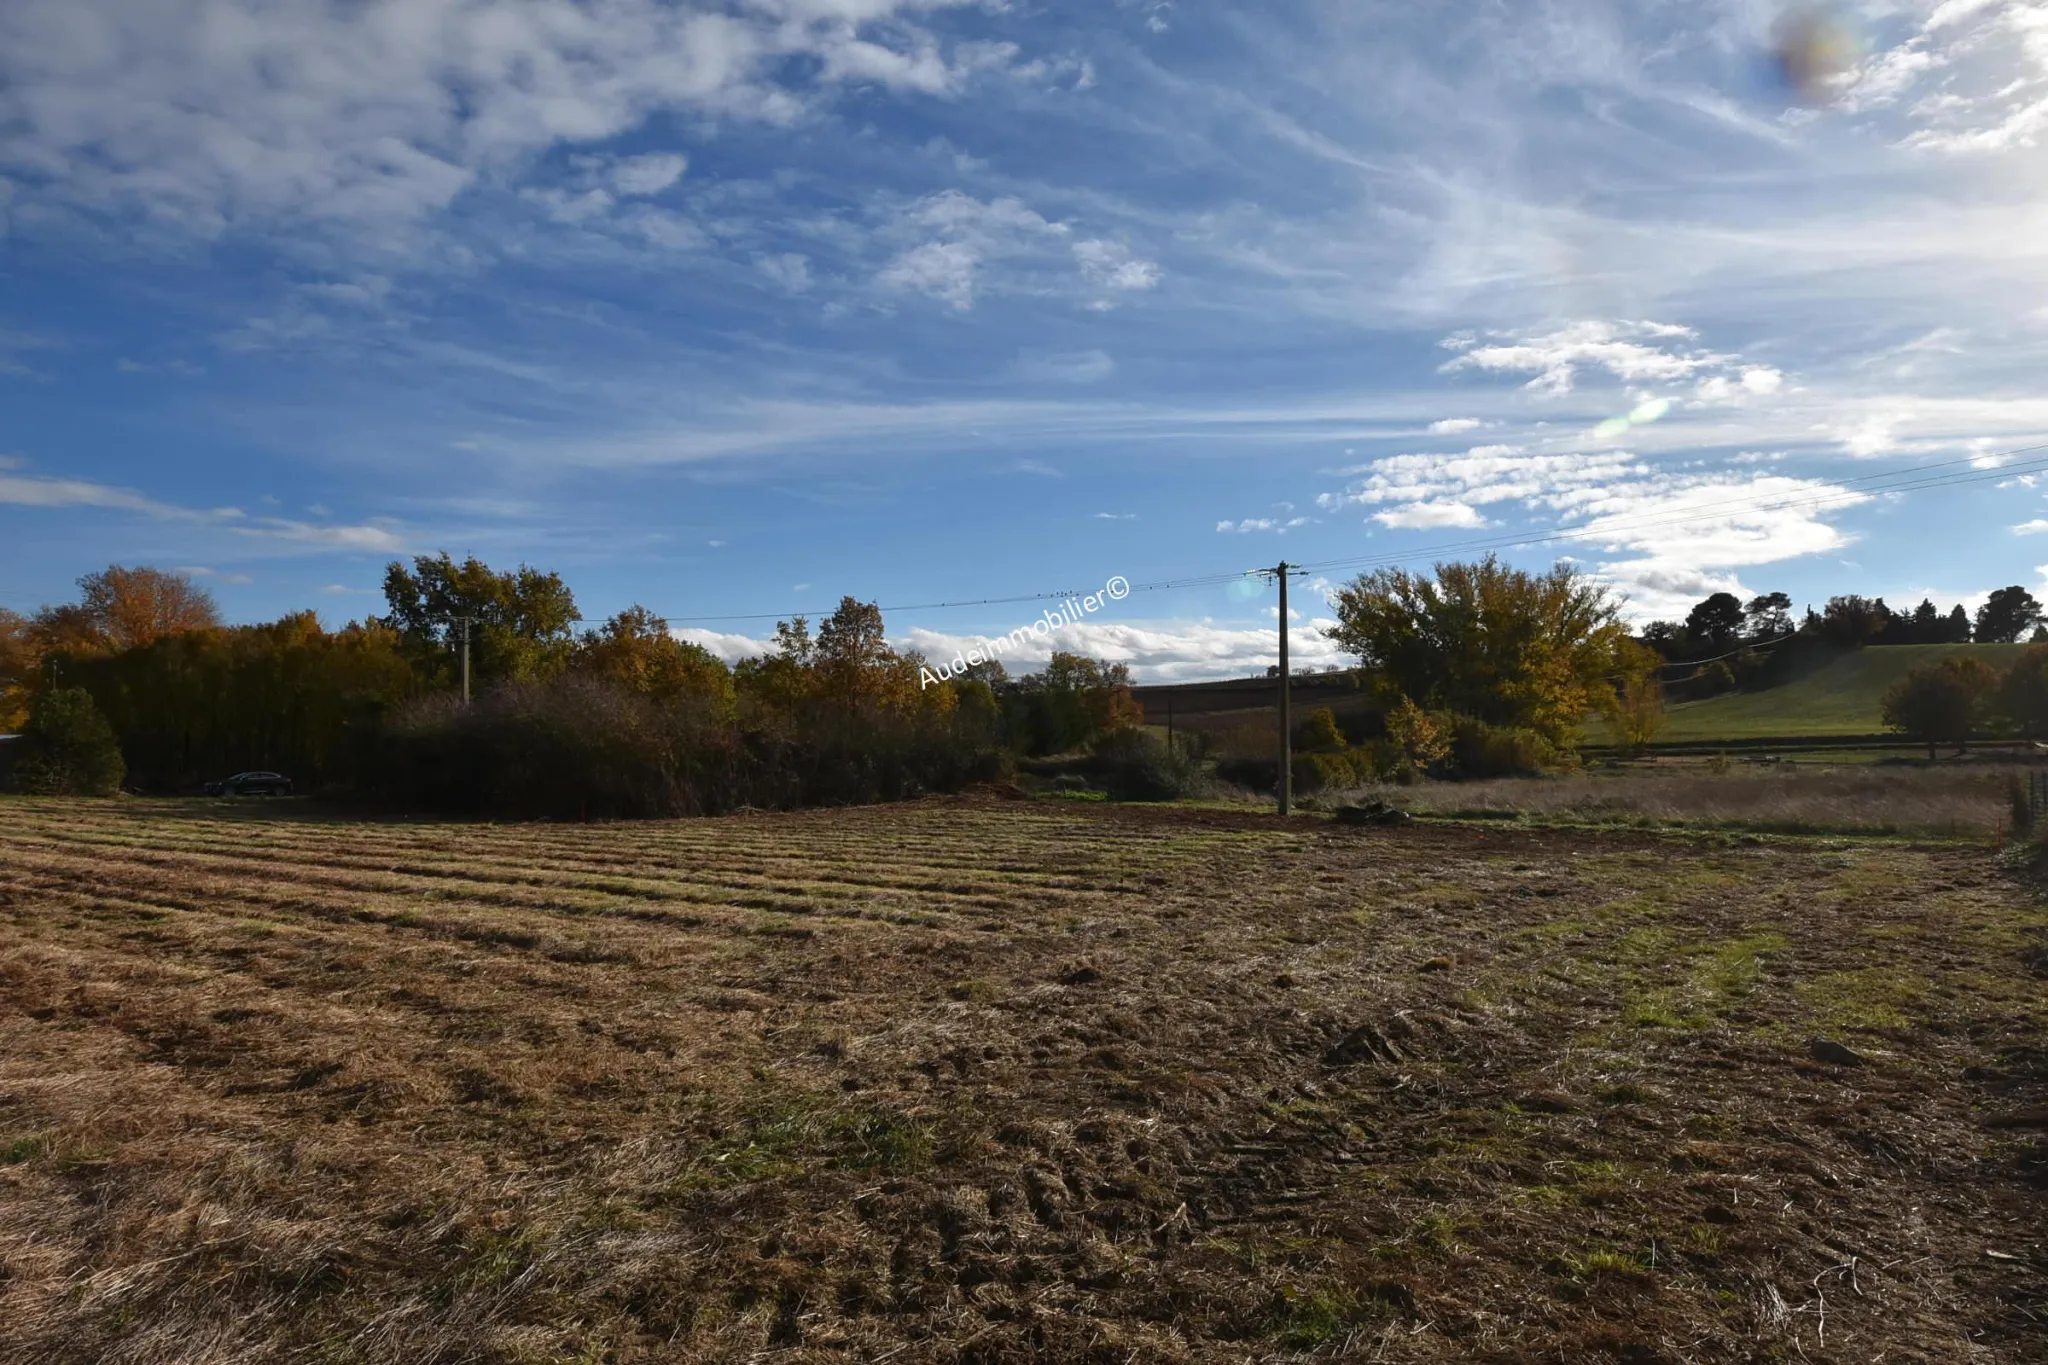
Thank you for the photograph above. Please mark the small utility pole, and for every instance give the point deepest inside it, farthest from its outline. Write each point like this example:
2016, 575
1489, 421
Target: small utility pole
1286, 786
465, 661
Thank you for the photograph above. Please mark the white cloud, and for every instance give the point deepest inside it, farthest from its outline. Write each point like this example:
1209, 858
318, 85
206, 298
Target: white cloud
25, 491
1420, 516
2031, 528
726, 645
1486, 474
1276, 524
789, 270
1875, 434
1116, 516
216, 114
1157, 652
1112, 266
962, 235
647, 175
942, 270
1452, 426
1623, 349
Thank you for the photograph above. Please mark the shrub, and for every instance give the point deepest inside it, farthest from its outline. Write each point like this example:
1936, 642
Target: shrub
68, 749
1320, 734
1479, 750
1253, 774
1132, 765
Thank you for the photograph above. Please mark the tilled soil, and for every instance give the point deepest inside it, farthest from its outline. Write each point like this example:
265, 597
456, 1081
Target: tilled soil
1010, 1081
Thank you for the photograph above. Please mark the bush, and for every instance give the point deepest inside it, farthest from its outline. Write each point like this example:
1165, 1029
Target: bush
577, 747
1132, 765
1479, 750
68, 749
1253, 774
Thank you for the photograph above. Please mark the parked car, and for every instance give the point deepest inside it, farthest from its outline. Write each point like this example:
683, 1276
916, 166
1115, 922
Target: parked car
251, 784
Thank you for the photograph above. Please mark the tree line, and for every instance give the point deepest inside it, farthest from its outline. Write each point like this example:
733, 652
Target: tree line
1469, 670
618, 718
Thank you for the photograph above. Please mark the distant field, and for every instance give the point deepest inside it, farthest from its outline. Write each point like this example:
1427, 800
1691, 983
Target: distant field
1002, 1081
1843, 697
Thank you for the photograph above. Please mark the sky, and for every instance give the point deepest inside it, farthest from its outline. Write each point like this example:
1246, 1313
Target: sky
731, 309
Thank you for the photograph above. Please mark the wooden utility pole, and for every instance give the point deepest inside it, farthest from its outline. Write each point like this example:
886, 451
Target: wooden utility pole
1286, 783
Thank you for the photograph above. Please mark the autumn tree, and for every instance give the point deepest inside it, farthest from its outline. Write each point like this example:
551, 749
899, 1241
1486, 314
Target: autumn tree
636, 651
521, 622
1941, 702
1636, 706
19, 659
134, 607
2006, 616
1505, 647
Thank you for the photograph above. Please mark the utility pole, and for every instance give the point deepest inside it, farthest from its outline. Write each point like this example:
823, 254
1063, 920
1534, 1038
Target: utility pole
1286, 784
465, 661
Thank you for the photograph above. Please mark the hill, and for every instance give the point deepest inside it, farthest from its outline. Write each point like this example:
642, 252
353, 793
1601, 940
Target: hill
1843, 697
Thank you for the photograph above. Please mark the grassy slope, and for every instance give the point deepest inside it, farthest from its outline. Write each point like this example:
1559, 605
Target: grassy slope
1842, 698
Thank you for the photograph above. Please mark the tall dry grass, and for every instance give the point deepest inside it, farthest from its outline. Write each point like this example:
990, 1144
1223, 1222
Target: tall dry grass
1960, 802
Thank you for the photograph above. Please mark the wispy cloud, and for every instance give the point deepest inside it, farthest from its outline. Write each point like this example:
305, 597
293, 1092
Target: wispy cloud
54, 493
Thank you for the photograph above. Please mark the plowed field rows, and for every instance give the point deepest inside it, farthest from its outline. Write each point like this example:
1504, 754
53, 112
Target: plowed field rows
1007, 1081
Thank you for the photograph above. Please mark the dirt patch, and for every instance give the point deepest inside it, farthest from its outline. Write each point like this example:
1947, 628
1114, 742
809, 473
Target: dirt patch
987, 1081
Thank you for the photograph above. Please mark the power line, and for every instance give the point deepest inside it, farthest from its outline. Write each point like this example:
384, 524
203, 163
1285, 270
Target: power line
1895, 481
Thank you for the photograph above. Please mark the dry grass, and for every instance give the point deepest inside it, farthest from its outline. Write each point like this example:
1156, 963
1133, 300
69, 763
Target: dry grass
1810, 796
1006, 1082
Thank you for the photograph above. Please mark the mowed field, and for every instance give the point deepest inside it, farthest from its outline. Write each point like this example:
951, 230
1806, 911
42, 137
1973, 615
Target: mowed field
1009, 1081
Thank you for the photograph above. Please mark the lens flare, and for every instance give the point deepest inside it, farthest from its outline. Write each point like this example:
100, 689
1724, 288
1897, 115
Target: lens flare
1812, 50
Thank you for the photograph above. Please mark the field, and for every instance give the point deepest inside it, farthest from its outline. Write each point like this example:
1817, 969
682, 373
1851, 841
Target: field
1843, 697
989, 1081
1816, 794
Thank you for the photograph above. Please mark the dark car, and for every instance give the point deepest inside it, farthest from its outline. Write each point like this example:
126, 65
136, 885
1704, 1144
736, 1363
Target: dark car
251, 784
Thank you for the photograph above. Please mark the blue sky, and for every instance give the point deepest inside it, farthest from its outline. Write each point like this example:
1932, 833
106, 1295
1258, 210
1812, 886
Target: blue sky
732, 309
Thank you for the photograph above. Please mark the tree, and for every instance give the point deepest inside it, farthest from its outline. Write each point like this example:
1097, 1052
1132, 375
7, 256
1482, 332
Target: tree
2023, 692
521, 622
2006, 615
1942, 702
1483, 640
1927, 623
1769, 616
1416, 737
135, 607
1956, 630
1715, 625
19, 659
1853, 620
1320, 733
634, 650
1666, 637
1637, 709
68, 749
